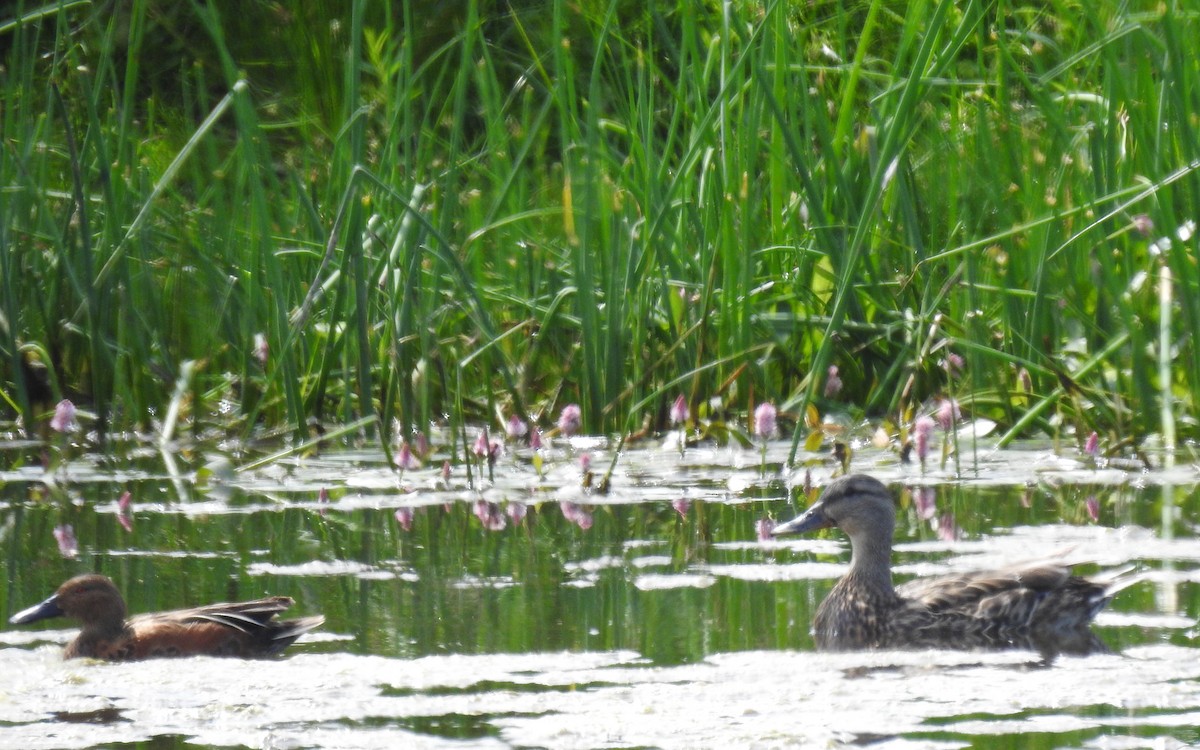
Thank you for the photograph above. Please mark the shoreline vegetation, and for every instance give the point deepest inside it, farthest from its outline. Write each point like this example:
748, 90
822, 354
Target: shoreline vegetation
254, 218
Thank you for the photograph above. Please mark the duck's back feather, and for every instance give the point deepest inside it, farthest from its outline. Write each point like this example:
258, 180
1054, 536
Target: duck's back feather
227, 629
1016, 598
247, 617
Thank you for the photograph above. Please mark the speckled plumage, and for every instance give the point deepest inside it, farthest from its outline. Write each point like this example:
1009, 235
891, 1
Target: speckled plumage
1039, 606
240, 629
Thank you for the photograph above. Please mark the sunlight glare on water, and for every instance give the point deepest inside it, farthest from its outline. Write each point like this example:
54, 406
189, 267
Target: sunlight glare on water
599, 699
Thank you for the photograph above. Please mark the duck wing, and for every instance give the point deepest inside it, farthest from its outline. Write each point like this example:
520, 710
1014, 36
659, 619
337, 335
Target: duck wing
245, 629
1016, 598
247, 617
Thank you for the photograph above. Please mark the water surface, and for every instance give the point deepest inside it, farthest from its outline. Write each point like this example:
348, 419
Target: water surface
650, 616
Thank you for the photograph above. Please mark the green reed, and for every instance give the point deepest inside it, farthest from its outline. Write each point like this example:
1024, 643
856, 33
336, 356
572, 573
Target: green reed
486, 209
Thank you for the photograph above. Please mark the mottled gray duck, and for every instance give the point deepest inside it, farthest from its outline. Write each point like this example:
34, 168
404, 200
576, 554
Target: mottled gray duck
1038, 606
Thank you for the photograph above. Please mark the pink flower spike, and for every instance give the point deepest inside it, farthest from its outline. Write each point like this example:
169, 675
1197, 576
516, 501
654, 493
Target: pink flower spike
585, 462
763, 528
1093, 508
422, 446
482, 445
262, 349
516, 428
124, 516
953, 364
576, 514
535, 440
925, 502
490, 516
584, 519
68, 545
516, 511
948, 413
681, 506
405, 460
496, 519
679, 410
922, 430
64, 417
833, 383
764, 420
495, 450
404, 516
570, 420
947, 529
323, 495
1092, 447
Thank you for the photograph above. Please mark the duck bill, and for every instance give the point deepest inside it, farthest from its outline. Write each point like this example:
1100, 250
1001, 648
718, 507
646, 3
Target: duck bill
813, 519
48, 608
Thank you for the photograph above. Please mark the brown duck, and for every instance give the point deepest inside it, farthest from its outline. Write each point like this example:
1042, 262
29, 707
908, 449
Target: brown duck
1039, 606
242, 629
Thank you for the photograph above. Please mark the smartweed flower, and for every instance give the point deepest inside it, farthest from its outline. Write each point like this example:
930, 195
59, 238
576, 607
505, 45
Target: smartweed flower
679, 411
570, 420
64, 417
922, 431
516, 511
124, 515
68, 545
833, 383
490, 516
681, 506
405, 459
764, 420
515, 428
404, 516
948, 413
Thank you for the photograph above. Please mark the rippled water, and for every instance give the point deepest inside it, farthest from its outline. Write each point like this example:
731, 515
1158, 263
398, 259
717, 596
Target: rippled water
1146, 697
630, 619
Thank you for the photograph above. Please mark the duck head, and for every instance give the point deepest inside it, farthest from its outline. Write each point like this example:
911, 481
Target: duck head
858, 504
87, 598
